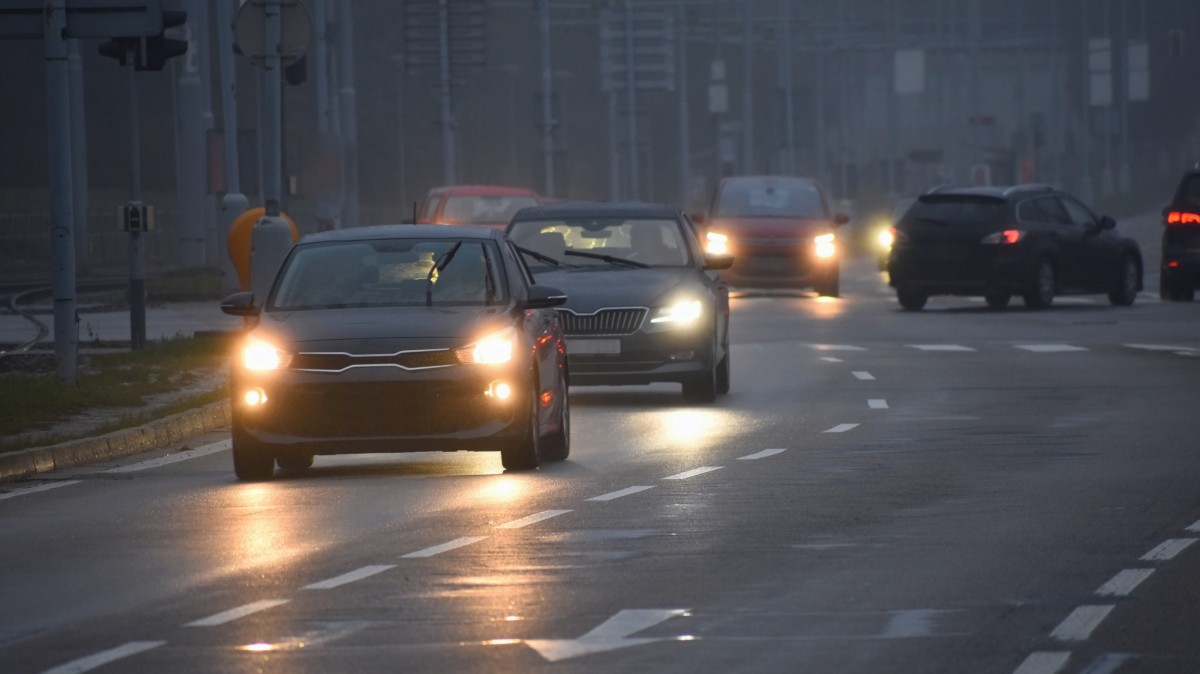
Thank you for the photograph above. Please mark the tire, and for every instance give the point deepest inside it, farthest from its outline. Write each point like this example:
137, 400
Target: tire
911, 300
1042, 286
557, 445
252, 461
523, 452
294, 462
1126, 289
997, 300
723, 373
830, 286
702, 386
1166, 288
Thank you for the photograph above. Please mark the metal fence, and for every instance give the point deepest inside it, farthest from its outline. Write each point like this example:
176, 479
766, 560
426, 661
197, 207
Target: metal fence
25, 245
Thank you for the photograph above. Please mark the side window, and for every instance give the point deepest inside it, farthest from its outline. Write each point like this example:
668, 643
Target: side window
1027, 212
1043, 209
1080, 215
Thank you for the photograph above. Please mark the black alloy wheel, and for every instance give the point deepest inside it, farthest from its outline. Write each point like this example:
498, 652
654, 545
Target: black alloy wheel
911, 300
1042, 286
252, 461
723, 373
557, 445
1127, 285
523, 452
997, 300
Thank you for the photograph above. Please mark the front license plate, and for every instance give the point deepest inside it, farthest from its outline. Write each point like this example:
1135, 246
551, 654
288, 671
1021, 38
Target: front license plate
608, 347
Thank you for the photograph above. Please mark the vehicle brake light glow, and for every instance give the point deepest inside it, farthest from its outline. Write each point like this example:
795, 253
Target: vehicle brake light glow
1183, 218
1007, 237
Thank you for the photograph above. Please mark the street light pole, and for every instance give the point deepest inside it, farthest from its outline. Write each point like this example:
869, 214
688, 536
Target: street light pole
137, 249
547, 101
58, 125
631, 101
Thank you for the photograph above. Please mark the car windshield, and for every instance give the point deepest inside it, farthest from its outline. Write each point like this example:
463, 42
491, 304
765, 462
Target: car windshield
646, 241
466, 210
955, 210
770, 199
388, 273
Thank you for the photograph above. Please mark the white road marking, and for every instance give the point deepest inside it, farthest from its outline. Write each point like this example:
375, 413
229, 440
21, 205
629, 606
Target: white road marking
831, 359
877, 404
1195, 528
347, 578
607, 636
761, 455
910, 624
1050, 348
841, 428
693, 472
835, 347
1124, 582
1079, 624
612, 495
175, 458
939, 347
1108, 663
41, 487
236, 613
532, 519
864, 376
444, 547
1167, 549
102, 658
1160, 347
1043, 662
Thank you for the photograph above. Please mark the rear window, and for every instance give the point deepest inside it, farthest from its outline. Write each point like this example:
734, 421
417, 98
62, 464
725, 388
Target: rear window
466, 210
1188, 198
955, 210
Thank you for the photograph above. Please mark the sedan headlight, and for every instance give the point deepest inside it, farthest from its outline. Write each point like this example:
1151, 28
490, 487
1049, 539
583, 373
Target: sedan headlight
495, 349
716, 243
886, 237
261, 356
682, 312
826, 246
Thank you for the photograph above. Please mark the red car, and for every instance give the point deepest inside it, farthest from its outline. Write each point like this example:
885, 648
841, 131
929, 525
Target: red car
779, 230
480, 205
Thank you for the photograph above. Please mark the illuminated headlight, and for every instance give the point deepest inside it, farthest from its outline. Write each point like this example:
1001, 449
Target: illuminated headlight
683, 312
716, 243
260, 356
494, 349
886, 238
825, 245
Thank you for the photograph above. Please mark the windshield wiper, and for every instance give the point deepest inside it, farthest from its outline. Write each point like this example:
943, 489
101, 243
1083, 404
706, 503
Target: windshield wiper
438, 265
544, 258
607, 258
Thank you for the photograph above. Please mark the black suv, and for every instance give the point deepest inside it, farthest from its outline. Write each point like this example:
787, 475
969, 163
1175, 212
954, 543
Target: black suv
1180, 271
996, 242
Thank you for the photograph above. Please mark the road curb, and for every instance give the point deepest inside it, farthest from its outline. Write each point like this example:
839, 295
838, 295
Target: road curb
154, 435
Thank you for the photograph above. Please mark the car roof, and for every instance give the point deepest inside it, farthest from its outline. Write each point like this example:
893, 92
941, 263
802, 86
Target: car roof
994, 191
484, 191
597, 209
377, 232
771, 178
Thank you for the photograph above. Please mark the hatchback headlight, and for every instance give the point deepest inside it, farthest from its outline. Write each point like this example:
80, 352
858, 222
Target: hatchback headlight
682, 312
261, 356
495, 349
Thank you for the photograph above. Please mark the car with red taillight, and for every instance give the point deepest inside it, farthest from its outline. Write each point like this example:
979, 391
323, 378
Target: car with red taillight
1179, 272
996, 242
478, 205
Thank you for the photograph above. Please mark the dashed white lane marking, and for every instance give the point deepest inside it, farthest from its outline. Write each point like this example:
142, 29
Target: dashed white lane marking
877, 404
102, 658
444, 547
1124, 582
1180, 350
864, 376
1195, 528
831, 359
236, 613
1050, 348
841, 428
347, 578
532, 519
835, 347
1043, 662
175, 458
1108, 663
939, 347
693, 472
761, 455
618, 493
1167, 549
1079, 624
41, 487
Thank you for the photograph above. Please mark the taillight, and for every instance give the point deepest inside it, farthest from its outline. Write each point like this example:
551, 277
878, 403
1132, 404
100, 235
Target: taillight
1006, 237
1183, 218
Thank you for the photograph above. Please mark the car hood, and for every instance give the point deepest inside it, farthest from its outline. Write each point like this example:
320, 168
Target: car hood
771, 228
589, 290
380, 329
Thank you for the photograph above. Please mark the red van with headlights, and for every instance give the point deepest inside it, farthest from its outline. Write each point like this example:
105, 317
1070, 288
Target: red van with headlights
478, 205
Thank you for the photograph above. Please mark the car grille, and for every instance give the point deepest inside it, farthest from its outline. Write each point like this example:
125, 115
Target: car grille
337, 362
624, 321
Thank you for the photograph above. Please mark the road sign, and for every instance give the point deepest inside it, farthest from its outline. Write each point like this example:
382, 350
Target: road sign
24, 19
250, 31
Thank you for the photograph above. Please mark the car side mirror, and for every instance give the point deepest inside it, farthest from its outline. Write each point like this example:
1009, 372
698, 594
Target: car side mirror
717, 262
240, 304
544, 297
841, 219
698, 217
1106, 223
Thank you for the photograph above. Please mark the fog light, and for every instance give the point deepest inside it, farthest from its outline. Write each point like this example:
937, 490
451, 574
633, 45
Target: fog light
682, 355
255, 397
499, 391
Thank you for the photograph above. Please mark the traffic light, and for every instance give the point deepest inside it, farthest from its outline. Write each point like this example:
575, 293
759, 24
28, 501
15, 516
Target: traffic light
150, 53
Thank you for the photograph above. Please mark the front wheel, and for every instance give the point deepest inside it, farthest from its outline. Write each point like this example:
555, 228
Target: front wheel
1044, 283
830, 286
912, 300
252, 460
522, 452
702, 386
1127, 285
557, 445
723, 373
997, 300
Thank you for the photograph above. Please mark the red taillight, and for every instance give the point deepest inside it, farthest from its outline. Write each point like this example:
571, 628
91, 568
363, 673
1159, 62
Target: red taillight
1173, 264
1183, 218
1011, 235
1006, 237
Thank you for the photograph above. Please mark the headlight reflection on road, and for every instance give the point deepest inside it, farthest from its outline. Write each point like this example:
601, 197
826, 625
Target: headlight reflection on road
688, 428
501, 489
264, 535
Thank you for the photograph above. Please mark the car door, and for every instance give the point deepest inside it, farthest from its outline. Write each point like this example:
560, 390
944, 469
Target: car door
1068, 238
1097, 254
542, 326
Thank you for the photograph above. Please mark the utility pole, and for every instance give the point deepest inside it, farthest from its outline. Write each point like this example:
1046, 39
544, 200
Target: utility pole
748, 87
819, 97
273, 106
79, 158
349, 95
137, 247
321, 63
233, 203
785, 83
631, 101
191, 182
449, 168
547, 100
685, 154
58, 126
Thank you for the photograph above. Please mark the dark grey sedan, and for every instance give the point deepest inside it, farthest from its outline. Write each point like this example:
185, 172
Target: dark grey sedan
400, 339
645, 304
